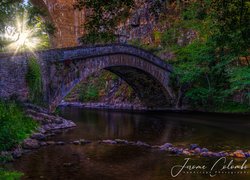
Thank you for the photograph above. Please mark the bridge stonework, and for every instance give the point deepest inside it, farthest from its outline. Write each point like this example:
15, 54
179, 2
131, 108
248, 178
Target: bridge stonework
62, 69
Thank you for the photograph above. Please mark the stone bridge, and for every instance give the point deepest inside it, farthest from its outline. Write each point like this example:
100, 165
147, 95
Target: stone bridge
62, 69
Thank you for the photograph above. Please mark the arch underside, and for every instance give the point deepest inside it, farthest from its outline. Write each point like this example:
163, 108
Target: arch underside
148, 89
149, 81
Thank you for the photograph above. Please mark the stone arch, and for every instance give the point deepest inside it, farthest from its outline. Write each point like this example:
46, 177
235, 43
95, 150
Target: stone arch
145, 73
62, 69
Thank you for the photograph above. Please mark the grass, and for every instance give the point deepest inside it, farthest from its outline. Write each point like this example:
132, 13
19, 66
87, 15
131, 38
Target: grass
15, 126
8, 175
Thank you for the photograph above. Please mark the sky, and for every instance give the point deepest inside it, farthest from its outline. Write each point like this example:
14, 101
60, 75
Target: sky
25, 1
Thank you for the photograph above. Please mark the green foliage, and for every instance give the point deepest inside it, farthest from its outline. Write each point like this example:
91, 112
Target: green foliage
103, 19
15, 126
89, 94
149, 47
7, 175
5, 158
233, 107
207, 68
34, 81
8, 11
100, 37
239, 78
13, 10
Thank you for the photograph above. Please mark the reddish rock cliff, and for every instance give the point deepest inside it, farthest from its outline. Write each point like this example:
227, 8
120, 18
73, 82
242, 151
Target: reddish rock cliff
65, 18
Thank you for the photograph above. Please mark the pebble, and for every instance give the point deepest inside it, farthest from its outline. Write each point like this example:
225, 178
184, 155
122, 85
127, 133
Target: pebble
60, 143
197, 150
50, 143
121, 141
176, 151
76, 142
17, 153
239, 154
30, 144
186, 152
43, 144
165, 146
204, 150
109, 142
139, 143
38, 136
83, 141
204, 154
193, 146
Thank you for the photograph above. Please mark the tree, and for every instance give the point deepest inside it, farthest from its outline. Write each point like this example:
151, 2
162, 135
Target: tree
209, 67
102, 18
8, 11
13, 12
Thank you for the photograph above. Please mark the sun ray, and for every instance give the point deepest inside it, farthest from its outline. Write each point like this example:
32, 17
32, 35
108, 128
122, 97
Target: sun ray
21, 36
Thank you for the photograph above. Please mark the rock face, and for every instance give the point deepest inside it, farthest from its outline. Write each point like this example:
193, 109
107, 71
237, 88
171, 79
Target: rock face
112, 93
140, 24
66, 20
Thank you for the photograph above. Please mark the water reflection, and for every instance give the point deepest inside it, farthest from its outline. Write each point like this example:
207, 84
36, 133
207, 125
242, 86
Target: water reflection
98, 161
212, 131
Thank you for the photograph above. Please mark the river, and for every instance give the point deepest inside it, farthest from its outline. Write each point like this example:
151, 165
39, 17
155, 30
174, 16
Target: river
216, 132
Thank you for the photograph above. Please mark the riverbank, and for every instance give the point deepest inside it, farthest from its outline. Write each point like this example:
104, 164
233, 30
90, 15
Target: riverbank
138, 107
48, 124
105, 142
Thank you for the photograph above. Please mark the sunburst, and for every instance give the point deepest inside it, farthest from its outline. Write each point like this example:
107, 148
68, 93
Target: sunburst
21, 36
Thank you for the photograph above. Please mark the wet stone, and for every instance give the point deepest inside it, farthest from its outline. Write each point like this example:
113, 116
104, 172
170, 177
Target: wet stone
83, 141
60, 143
139, 143
30, 144
204, 150
197, 150
43, 144
38, 136
109, 142
239, 154
121, 141
165, 146
193, 146
76, 142
17, 153
50, 143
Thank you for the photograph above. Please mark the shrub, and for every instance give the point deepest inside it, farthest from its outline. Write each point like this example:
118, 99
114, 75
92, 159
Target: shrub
7, 175
90, 94
34, 81
15, 126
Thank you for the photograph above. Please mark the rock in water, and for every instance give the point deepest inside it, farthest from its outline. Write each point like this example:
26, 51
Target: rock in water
239, 154
38, 136
197, 150
30, 144
109, 142
193, 146
165, 146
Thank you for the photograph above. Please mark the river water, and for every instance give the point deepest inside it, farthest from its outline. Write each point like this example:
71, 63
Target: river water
101, 161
